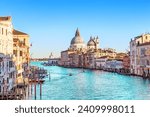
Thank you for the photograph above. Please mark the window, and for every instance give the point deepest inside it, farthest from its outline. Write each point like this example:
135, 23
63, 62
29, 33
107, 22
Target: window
3, 81
6, 32
0, 88
7, 64
15, 52
147, 62
24, 41
2, 31
20, 53
7, 80
142, 51
10, 64
146, 37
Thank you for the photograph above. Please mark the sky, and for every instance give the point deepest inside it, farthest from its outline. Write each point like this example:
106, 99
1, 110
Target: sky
51, 24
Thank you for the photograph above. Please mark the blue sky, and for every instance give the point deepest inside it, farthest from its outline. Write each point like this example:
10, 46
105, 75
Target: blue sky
51, 24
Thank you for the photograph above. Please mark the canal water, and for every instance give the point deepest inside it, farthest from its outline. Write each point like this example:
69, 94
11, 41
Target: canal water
90, 85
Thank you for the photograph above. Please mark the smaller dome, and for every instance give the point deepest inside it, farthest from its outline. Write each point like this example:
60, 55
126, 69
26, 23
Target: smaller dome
91, 43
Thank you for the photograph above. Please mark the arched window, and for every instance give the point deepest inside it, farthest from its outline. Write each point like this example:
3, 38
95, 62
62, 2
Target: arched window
2, 31
146, 37
148, 62
0, 89
6, 32
24, 41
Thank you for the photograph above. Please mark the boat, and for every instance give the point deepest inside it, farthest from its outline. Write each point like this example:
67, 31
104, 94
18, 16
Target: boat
70, 74
37, 81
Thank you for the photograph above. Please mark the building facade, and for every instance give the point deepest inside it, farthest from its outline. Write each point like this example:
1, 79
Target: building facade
139, 57
14, 55
6, 36
21, 53
7, 67
114, 64
7, 73
126, 62
86, 55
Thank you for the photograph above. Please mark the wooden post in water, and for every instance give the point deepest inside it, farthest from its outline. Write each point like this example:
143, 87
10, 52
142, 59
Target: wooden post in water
35, 89
3, 93
6, 94
40, 89
28, 90
15, 93
49, 76
34, 86
25, 92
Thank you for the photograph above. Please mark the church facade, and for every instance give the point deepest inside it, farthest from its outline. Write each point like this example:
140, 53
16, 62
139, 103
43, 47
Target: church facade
83, 55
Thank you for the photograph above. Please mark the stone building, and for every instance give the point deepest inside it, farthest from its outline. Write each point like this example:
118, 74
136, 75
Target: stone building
14, 55
6, 36
126, 62
139, 47
81, 55
21, 52
7, 66
7, 73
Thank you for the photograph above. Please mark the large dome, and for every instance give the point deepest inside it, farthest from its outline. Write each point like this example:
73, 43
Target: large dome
77, 39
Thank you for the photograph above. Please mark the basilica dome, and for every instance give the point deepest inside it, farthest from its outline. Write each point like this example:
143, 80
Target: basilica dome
77, 39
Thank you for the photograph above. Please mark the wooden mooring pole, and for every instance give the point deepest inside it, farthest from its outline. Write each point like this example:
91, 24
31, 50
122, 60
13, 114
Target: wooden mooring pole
40, 89
49, 76
35, 90
31, 87
28, 90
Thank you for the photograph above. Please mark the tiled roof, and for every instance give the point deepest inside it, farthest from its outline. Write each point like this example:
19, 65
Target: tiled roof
138, 37
143, 44
141, 35
16, 32
5, 18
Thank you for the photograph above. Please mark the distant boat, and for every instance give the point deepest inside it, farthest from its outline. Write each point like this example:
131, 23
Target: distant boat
70, 74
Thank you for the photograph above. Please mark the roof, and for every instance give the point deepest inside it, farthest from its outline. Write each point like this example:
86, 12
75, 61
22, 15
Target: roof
16, 32
121, 54
67, 51
138, 37
141, 35
143, 44
7, 18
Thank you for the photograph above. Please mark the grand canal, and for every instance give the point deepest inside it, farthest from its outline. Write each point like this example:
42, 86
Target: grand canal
90, 85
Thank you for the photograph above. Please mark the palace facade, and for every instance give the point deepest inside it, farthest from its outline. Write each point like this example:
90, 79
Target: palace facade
21, 53
14, 55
